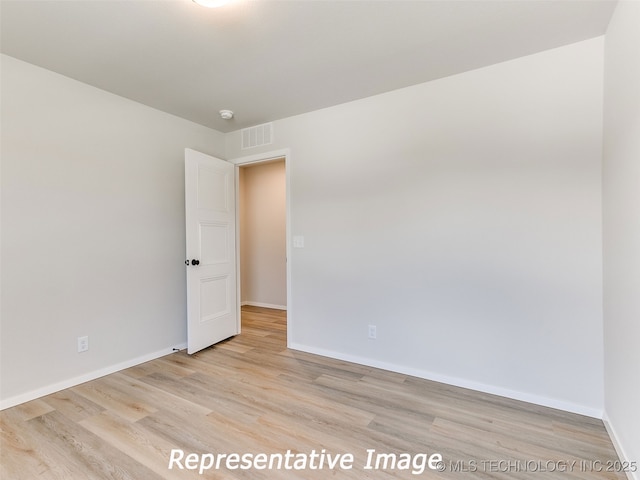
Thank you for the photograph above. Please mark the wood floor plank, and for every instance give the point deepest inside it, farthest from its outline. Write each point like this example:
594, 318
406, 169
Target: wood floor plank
105, 392
155, 398
72, 405
20, 454
33, 409
82, 451
251, 395
140, 444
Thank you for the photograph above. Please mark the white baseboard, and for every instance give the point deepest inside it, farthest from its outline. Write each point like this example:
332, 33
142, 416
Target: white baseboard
72, 382
263, 305
458, 382
619, 450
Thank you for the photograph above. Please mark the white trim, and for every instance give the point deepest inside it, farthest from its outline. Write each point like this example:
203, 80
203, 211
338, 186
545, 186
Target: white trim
261, 157
616, 444
265, 157
236, 173
263, 305
458, 382
72, 382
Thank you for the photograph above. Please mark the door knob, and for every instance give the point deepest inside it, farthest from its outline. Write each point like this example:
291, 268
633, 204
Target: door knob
195, 262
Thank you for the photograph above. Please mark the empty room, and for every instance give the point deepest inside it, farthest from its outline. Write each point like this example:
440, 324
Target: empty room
448, 287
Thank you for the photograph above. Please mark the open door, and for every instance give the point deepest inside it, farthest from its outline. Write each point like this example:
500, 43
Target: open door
211, 250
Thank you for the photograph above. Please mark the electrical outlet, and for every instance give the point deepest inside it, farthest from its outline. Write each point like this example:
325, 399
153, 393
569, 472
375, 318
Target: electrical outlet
372, 332
83, 344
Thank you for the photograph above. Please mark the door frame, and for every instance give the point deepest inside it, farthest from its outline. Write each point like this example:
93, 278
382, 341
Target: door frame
253, 160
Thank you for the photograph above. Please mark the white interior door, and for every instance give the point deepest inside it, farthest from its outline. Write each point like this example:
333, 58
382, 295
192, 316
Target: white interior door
211, 250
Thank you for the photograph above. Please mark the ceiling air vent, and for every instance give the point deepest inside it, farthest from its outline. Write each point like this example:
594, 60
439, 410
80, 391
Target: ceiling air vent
257, 136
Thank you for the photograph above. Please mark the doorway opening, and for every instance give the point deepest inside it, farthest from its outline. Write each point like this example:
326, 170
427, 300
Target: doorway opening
262, 236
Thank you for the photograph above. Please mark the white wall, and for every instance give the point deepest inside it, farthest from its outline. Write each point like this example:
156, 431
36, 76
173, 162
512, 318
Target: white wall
263, 235
621, 207
462, 217
92, 229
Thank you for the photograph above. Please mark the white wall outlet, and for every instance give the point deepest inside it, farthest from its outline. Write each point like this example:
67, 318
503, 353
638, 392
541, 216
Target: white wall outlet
83, 344
372, 332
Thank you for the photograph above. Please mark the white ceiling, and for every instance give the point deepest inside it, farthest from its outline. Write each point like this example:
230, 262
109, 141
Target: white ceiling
267, 59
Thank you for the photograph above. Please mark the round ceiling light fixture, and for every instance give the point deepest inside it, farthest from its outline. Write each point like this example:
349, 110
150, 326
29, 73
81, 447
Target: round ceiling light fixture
226, 114
211, 3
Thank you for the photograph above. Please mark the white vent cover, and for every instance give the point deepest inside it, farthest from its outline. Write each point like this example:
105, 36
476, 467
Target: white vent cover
257, 136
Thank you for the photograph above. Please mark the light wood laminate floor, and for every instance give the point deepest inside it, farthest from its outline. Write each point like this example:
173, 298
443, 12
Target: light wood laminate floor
250, 395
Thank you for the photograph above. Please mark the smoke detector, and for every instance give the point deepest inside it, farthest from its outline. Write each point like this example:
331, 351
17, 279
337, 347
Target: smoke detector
226, 114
